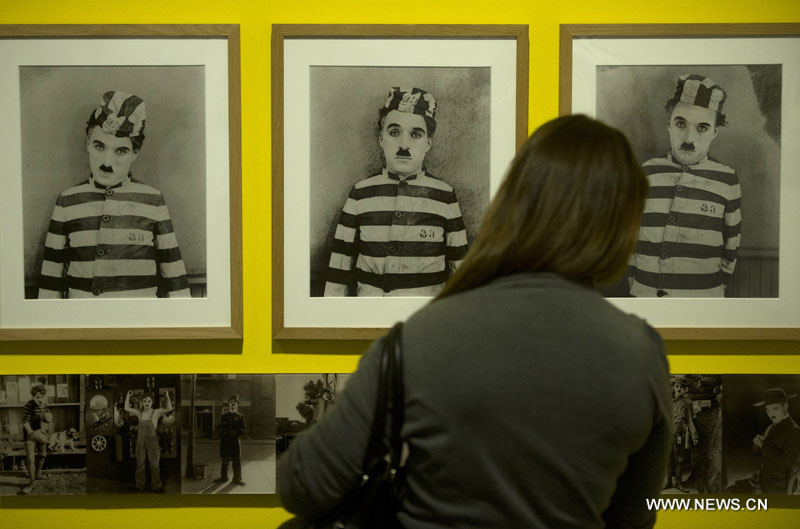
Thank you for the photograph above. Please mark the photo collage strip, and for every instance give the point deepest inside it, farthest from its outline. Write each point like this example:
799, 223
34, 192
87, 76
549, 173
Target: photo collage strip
159, 433
223, 433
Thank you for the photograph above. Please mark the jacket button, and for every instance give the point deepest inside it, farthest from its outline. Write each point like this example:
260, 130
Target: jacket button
661, 293
109, 192
97, 292
679, 189
673, 218
664, 255
403, 183
100, 252
398, 214
392, 249
106, 218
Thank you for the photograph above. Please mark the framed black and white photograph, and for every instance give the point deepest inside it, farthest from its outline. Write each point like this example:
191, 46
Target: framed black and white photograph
228, 433
388, 143
42, 435
712, 114
133, 437
761, 436
121, 161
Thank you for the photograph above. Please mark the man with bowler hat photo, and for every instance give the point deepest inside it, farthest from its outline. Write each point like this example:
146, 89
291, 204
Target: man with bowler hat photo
779, 447
231, 428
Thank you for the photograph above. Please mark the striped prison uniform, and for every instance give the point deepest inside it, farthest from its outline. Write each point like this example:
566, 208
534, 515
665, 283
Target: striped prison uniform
396, 237
690, 230
32, 415
114, 242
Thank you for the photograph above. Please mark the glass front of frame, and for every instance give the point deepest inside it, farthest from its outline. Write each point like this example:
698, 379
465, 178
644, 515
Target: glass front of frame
332, 96
113, 256
739, 183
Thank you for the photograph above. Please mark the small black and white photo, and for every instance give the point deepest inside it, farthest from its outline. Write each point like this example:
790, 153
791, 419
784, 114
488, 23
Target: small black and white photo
302, 400
42, 435
228, 433
709, 140
113, 181
761, 440
695, 460
133, 435
399, 176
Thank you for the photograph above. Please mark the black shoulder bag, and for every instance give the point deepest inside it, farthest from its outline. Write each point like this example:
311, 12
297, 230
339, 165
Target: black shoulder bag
374, 502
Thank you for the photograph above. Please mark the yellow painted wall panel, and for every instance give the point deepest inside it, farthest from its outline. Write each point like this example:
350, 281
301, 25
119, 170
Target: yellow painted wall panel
258, 352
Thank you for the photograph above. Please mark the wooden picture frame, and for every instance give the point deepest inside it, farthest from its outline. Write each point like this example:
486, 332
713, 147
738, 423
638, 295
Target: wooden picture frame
327, 79
625, 73
189, 77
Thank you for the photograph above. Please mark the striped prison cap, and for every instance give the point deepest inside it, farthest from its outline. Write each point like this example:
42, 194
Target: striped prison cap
120, 114
412, 100
700, 91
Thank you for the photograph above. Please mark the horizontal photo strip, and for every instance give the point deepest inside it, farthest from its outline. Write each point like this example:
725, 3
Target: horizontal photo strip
223, 433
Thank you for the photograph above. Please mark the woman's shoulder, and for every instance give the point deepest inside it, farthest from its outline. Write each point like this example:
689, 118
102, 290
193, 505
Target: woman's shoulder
547, 292
533, 307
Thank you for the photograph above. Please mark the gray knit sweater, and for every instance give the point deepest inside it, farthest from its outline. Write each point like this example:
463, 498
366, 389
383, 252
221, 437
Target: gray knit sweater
530, 402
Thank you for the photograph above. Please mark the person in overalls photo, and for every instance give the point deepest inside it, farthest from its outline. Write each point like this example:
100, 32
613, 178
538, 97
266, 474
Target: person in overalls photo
148, 450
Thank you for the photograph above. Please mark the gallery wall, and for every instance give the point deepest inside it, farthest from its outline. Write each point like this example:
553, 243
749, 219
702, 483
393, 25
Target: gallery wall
258, 353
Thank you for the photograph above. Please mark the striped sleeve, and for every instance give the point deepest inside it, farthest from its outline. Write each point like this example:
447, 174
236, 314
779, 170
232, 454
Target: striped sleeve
173, 281
52, 281
28, 414
340, 275
456, 236
732, 230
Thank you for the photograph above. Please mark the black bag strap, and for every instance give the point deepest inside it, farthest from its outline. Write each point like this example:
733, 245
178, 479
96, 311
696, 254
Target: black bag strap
398, 404
390, 389
375, 468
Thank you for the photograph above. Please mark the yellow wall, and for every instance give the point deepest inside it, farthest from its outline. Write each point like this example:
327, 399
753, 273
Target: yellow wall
258, 353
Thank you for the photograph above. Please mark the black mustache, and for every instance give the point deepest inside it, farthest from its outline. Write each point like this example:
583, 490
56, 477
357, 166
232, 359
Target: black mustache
106, 169
403, 152
687, 146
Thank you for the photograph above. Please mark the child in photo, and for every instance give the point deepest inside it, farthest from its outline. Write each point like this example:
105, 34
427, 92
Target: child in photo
35, 414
